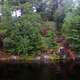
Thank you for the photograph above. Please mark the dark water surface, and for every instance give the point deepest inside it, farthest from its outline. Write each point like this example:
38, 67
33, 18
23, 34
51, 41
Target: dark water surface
34, 71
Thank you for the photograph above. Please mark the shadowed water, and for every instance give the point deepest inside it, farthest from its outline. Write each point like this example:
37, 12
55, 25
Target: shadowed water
33, 71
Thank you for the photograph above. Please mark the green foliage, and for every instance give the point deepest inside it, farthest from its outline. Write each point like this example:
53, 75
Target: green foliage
50, 39
23, 35
71, 28
67, 23
6, 19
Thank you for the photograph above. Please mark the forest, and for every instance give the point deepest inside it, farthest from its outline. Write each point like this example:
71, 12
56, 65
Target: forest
37, 29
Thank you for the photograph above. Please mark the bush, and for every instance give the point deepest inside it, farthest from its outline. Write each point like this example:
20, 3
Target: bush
71, 29
24, 36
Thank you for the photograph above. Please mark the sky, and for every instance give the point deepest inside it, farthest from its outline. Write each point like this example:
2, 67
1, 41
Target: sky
76, 3
16, 13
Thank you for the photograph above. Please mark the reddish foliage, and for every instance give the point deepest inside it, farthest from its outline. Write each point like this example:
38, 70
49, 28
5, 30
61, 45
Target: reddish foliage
72, 54
64, 43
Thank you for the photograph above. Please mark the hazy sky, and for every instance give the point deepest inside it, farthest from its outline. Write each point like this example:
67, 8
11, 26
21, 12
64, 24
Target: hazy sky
16, 13
76, 3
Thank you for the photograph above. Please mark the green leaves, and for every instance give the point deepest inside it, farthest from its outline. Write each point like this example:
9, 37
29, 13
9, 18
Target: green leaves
23, 36
71, 28
50, 39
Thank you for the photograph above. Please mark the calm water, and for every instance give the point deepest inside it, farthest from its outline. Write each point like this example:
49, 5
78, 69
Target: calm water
34, 71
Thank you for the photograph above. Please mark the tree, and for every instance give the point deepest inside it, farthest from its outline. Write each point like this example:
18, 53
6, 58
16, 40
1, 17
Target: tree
6, 14
63, 6
23, 36
54, 10
71, 28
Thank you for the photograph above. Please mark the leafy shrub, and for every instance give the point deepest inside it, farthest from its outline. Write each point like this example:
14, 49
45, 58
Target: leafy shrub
71, 29
24, 36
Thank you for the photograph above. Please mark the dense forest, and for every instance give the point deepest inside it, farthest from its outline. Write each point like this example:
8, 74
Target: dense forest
32, 26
